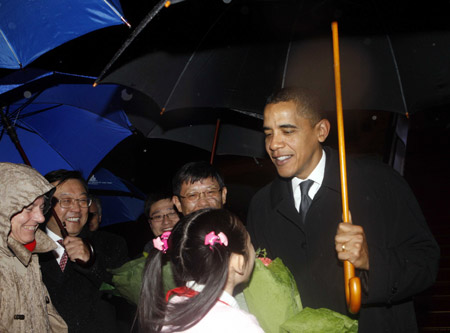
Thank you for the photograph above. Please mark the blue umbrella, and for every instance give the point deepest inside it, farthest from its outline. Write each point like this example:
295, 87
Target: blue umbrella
29, 28
60, 125
121, 200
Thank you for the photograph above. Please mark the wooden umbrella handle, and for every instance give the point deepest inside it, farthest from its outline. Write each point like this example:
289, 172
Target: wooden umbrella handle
352, 283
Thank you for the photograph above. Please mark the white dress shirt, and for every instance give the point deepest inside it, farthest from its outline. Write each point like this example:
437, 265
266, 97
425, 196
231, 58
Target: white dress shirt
316, 176
59, 251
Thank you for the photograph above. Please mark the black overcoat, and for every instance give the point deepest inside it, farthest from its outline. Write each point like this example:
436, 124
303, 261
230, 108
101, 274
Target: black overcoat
403, 254
75, 293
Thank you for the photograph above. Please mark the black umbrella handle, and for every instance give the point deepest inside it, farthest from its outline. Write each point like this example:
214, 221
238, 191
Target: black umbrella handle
64, 234
13, 135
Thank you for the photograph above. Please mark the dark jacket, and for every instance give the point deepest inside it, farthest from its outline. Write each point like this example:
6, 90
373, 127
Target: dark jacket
76, 292
403, 254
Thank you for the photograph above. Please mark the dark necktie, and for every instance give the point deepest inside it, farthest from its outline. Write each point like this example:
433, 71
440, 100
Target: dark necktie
306, 200
63, 261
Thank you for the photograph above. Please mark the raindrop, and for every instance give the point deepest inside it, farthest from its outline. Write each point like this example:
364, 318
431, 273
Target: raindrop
374, 117
27, 94
125, 95
145, 150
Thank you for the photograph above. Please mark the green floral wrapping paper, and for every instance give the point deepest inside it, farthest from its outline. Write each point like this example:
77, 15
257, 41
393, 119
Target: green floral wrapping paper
127, 279
272, 295
273, 298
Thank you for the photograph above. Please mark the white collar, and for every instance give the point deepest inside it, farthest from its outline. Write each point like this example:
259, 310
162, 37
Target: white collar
225, 297
316, 175
52, 235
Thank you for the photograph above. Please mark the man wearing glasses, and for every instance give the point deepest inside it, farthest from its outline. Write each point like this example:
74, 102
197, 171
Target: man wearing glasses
82, 257
161, 215
198, 185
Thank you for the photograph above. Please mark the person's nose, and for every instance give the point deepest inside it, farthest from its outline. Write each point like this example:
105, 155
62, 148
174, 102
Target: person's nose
38, 216
203, 200
75, 206
165, 220
275, 141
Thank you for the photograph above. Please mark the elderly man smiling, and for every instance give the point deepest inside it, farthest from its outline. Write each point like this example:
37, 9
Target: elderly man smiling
77, 268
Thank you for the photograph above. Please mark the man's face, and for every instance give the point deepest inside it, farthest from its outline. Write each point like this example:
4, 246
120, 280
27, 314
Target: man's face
202, 187
25, 223
292, 143
74, 217
162, 216
94, 217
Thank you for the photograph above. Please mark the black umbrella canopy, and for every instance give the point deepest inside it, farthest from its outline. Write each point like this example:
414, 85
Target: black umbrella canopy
198, 54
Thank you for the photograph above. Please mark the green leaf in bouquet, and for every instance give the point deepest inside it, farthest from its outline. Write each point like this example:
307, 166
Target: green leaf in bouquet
127, 279
319, 320
272, 295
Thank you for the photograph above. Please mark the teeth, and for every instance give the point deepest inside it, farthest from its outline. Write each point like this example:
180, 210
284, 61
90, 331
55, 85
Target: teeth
31, 228
282, 158
73, 219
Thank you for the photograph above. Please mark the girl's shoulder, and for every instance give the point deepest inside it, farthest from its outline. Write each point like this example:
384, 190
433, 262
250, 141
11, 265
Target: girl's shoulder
229, 319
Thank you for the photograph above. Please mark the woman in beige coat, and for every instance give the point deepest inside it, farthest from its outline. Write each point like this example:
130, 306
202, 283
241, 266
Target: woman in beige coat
25, 304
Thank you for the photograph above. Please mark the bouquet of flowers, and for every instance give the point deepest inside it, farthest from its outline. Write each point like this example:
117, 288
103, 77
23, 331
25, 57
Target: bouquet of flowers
273, 298
127, 279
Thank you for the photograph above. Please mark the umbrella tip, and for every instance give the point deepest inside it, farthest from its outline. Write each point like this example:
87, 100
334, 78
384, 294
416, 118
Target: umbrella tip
162, 111
167, 4
95, 84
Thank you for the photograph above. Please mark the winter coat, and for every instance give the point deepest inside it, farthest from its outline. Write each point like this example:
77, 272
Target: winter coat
25, 304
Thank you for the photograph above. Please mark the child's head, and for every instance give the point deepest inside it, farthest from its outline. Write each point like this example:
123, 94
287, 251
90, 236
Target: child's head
218, 265
193, 260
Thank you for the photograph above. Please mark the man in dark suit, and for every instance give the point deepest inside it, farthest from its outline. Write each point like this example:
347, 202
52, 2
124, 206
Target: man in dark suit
389, 243
74, 272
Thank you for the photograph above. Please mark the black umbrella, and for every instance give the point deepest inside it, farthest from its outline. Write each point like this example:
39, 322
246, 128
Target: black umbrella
394, 57
243, 51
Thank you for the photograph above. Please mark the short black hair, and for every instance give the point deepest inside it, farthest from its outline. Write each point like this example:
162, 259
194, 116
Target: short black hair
61, 175
307, 102
154, 197
193, 172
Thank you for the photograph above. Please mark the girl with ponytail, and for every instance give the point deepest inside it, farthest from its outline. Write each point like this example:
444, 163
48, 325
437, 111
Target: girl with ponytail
210, 253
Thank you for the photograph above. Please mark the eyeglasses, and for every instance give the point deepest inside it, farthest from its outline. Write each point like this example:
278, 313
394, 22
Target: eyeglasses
160, 218
195, 196
68, 202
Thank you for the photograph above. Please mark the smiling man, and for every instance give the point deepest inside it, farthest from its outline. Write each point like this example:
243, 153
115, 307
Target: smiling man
297, 218
74, 272
198, 185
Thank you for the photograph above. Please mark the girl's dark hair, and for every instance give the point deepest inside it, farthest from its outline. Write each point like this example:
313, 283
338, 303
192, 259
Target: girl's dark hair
192, 260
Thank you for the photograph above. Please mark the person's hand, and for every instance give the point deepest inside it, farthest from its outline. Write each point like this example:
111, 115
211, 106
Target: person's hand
351, 245
76, 249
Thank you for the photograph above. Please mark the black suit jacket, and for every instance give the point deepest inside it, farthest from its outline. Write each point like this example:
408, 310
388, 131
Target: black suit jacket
75, 292
403, 254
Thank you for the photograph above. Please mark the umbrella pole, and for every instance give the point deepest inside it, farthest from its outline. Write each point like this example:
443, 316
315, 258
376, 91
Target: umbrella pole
137, 31
13, 135
216, 135
352, 283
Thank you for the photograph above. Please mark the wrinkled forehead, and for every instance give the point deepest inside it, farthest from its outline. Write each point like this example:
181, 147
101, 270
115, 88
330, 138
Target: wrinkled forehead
204, 183
70, 187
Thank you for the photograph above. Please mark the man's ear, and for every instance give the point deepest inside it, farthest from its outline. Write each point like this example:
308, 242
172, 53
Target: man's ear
323, 129
224, 195
177, 203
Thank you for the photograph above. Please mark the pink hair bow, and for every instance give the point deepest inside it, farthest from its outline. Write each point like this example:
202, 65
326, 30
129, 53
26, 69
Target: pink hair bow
160, 243
212, 238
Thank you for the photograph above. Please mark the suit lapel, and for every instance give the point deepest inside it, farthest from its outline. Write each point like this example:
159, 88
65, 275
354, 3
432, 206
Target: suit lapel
282, 201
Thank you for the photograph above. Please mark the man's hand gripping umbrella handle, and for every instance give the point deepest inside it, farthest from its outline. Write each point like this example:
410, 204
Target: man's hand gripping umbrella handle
352, 283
